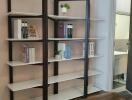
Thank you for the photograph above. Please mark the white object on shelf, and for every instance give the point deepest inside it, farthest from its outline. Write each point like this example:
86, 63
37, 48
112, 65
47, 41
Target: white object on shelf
55, 17
17, 28
23, 13
52, 79
70, 93
120, 53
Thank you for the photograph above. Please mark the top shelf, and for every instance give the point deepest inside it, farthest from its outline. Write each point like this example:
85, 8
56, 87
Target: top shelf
24, 14
52, 17
55, 17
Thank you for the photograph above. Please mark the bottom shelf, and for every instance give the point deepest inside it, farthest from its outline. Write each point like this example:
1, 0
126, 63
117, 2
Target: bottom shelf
69, 93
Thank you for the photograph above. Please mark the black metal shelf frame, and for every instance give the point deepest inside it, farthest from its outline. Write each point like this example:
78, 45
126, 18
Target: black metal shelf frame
45, 18
87, 32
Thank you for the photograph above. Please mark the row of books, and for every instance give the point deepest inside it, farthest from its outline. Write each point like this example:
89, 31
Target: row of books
66, 50
22, 29
28, 54
65, 30
91, 49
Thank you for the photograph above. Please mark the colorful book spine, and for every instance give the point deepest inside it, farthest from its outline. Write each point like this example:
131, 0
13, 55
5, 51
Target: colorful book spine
17, 28
61, 30
28, 54
65, 30
67, 52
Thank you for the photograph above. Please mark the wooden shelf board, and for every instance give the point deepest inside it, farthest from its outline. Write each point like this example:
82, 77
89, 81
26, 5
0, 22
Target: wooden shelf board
55, 17
70, 93
37, 39
52, 79
23, 14
71, 39
19, 63
73, 58
50, 60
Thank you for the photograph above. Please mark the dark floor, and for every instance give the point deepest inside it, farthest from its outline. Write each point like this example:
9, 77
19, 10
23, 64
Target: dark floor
106, 96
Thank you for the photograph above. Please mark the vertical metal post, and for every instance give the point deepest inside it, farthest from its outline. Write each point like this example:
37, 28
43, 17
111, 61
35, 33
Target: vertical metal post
9, 5
56, 65
86, 61
45, 49
10, 55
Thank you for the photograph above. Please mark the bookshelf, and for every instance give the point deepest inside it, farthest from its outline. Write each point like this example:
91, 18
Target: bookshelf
53, 79
88, 69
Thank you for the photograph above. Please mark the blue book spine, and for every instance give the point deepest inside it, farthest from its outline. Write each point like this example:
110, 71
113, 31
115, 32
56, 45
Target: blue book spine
65, 30
67, 52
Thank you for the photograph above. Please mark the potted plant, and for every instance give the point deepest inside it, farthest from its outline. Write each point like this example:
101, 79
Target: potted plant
65, 7
58, 54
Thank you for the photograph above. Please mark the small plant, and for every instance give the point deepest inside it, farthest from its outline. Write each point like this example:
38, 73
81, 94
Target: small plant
66, 5
57, 52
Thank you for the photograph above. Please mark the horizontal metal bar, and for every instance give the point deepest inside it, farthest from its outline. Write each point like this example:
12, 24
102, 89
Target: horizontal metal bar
12, 16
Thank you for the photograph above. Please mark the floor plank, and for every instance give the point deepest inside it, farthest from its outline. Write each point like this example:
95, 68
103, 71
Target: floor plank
105, 96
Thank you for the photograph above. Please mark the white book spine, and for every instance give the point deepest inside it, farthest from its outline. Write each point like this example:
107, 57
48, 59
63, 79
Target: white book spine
30, 54
17, 28
33, 54
61, 47
91, 49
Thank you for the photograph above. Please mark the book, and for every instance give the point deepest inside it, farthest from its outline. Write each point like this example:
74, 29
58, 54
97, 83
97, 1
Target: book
61, 47
31, 54
65, 30
61, 29
24, 29
69, 30
67, 51
28, 54
91, 49
25, 53
17, 28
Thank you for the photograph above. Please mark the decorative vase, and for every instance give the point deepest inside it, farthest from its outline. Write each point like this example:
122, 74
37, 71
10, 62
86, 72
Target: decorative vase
64, 10
58, 57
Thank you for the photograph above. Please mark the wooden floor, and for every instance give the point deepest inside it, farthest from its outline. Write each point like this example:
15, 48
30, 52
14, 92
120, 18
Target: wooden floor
105, 96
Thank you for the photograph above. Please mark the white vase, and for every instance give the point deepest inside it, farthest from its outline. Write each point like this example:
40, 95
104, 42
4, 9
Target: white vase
58, 57
64, 10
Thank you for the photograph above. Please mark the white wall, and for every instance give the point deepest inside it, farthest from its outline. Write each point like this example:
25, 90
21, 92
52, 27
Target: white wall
123, 5
122, 27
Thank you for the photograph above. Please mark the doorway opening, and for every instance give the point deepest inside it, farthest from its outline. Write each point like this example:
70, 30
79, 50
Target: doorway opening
122, 25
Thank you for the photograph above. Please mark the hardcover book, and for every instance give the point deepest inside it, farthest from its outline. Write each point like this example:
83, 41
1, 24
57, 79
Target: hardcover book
17, 28
61, 30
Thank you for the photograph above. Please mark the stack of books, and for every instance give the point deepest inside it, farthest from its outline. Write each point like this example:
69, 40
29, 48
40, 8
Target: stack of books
91, 51
65, 30
65, 50
28, 54
23, 30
